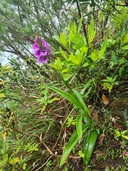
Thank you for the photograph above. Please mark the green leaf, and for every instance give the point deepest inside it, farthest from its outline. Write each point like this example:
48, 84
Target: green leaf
103, 48
89, 144
74, 59
57, 65
91, 31
125, 47
24, 166
71, 37
63, 38
4, 161
85, 64
72, 27
84, 49
63, 53
79, 41
81, 102
67, 76
88, 85
117, 19
66, 70
70, 97
77, 58
122, 72
76, 100
125, 39
71, 143
94, 56
80, 24
79, 125
13, 161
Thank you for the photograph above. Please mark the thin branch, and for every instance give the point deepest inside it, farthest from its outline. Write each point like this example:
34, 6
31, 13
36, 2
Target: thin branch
79, 11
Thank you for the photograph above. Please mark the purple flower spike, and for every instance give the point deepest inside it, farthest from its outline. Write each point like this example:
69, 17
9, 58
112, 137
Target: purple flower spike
41, 50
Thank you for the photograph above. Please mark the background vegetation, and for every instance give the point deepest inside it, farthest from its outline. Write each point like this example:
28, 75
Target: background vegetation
53, 115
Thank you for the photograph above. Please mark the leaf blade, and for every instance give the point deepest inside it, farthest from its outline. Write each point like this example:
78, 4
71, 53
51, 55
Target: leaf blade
71, 143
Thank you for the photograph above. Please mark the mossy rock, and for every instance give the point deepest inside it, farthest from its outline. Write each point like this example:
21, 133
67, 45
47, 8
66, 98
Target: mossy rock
119, 111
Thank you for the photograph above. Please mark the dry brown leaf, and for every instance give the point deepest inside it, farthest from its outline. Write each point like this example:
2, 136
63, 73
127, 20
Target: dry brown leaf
105, 100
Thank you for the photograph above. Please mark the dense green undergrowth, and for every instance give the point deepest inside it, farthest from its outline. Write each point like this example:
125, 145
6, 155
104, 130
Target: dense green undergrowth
58, 119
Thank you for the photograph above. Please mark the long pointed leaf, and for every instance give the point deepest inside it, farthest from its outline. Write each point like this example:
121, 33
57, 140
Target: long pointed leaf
81, 101
67, 96
72, 142
103, 48
89, 144
79, 125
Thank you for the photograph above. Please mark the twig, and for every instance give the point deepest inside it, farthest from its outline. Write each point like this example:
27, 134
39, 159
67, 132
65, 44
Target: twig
79, 11
43, 164
52, 154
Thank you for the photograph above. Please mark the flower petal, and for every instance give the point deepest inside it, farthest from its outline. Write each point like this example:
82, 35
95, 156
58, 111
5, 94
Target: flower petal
43, 60
36, 47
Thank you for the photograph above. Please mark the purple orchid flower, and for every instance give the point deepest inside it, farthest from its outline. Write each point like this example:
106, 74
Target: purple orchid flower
41, 50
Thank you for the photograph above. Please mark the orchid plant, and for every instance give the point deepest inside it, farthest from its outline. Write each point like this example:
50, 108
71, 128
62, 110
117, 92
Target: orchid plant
66, 67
